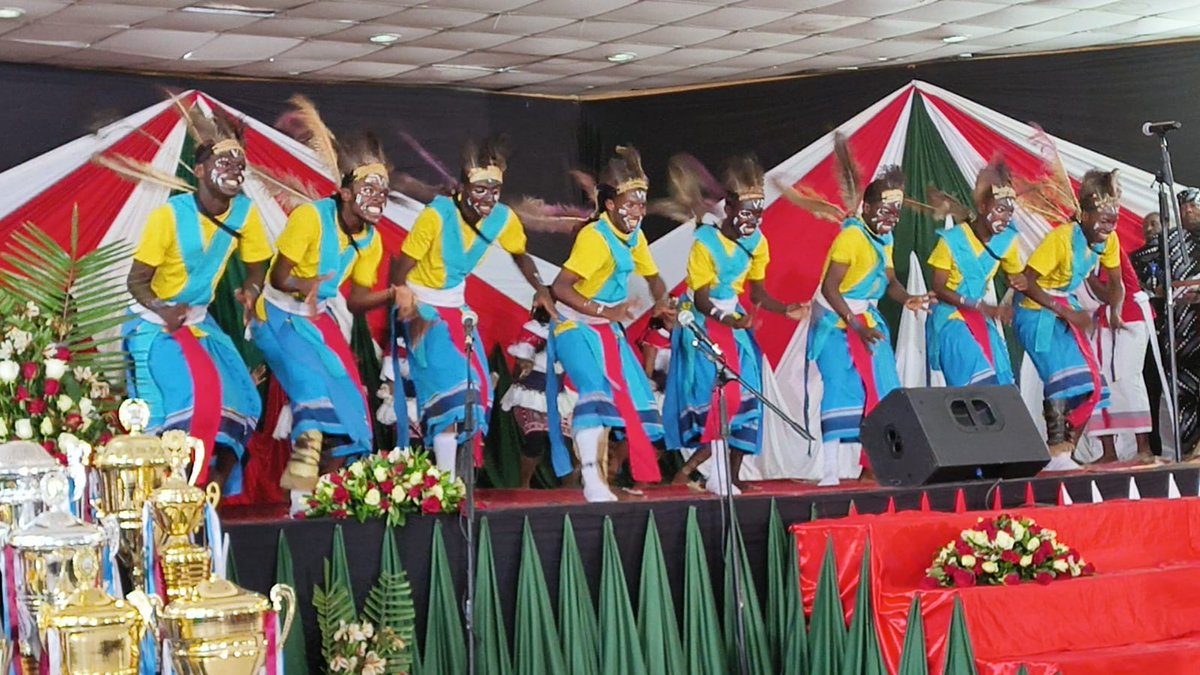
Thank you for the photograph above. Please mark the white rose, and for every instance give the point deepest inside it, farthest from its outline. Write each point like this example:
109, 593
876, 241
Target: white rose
1032, 544
977, 537
381, 474
968, 560
67, 441
357, 469
398, 493
23, 429
86, 406
55, 368
436, 491
990, 567
9, 371
372, 497
64, 403
32, 310
1018, 530
47, 427
87, 423
99, 389
84, 374
1004, 540
1061, 565
1026, 561
3, 428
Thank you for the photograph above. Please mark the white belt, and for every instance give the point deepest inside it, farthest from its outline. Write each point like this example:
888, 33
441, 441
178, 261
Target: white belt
724, 305
856, 305
571, 314
288, 303
195, 314
455, 297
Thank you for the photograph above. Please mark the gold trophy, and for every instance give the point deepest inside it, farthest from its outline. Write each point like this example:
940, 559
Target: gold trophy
130, 468
23, 464
178, 511
94, 634
219, 629
56, 555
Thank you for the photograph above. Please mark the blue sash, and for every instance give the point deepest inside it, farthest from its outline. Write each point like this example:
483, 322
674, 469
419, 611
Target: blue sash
1083, 261
731, 266
616, 287
204, 263
461, 261
334, 260
977, 270
871, 287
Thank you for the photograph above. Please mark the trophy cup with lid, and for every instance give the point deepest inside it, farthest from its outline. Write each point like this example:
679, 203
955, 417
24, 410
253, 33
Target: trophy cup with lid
178, 511
93, 634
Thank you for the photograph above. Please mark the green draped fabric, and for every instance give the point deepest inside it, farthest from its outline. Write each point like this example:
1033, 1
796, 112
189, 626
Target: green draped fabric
912, 654
861, 655
827, 634
493, 656
577, 624
703, 644
445, 646
656, 621
757, 642
295, 661
537, 644
960, 658
620, 648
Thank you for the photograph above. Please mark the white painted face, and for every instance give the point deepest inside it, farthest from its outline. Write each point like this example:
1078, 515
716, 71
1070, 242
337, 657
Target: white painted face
227, 172
1001, 214
630, 209
882, 217
748, 217
482, 197
370, 197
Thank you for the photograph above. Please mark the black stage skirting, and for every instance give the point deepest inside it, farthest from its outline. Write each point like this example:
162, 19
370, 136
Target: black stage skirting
254, 543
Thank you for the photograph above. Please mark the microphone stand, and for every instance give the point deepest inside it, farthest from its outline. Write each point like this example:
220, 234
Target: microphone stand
721, 453
466, 470
1172, 218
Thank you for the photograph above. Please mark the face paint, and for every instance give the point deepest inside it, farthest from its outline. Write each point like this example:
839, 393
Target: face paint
748, 217
630, 208
882, 217
370, 197
228, 172
482, 197
1100, 223
1000, 215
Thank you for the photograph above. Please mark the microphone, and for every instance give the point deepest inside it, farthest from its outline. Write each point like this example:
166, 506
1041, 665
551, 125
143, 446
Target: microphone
688, 321
469, 319
1153, 128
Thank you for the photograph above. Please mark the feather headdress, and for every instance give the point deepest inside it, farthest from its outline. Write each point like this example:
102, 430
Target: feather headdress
743, 178
693, 190
848, 187
1049, 195
486, 161
1099, 190
304, 124
624, 172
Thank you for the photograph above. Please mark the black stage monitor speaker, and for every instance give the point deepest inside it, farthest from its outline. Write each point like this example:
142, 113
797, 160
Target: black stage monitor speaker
946, 434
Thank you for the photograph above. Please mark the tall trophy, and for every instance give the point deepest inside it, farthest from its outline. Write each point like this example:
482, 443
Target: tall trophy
23, 464
177, 508
93, 634
129, 468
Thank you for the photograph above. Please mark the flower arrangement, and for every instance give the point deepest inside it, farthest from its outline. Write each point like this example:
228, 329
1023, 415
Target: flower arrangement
386, 485
359, 649
1005, 550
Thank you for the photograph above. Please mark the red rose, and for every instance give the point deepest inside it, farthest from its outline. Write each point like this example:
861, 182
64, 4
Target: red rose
1088, 569
105, 438
400, 467
339, 513
978, 570
990, 528
29, 370
430, 481
73, 421
384, 505
22, 393
930, 583
414, 492
962, 577
1039, 557
335, 478
1044, 578
341, 495
962, 547
386, 486
300, 515
49, 446
63, 354
431, 505
1011, 557
1012, 580
313, 502
51, 387
1046, 548
37, 407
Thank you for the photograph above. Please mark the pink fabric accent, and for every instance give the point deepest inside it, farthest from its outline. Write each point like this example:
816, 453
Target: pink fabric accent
643, 463
453, 319
269, 622
860, 354
206, 394
722, 335
1079, 416
977, 324
10, 598
333, 339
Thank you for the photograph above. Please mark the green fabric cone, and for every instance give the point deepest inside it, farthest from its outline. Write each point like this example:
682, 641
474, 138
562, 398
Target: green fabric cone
445, 646
861, 655
656, 611
827, 635
620, 649
577, 624
960, 658
812, 511
703, 644
362, 345
231, 568
340, 567
912, 654
537, 645
1023, 670
794, 657
777, 581
758, 650
295, 661
492, 655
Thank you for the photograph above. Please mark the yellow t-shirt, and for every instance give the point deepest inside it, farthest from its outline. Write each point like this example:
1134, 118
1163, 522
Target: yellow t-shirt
592, 260
160, 250
702, 270
424, 244
852, 248
1052, 259
300, 242
940, 258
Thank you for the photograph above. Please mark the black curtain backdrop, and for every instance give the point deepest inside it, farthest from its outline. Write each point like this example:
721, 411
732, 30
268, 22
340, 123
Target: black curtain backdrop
1098, 99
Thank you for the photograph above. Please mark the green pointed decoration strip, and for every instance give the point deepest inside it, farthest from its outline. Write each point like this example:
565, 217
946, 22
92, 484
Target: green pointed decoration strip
389, 606
794, 656
445, 646
703, 645
620, 649
577, 624
537, 644
295, 661
492, 655
757, 642
862, 655
960, 658
340, 569
1023, 670
656, 621
827, 635
777, 580
912, 654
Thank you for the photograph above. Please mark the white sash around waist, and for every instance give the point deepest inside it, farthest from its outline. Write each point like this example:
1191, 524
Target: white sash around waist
455, 296
288, 302
195, 314
856, 305
571, 314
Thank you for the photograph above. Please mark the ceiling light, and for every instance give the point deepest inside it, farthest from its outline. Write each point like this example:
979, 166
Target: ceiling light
952, 39
187, 56
882, 58
466, 66
230, 9
847, 67
622, 57
384, 38
965, 55
11, 12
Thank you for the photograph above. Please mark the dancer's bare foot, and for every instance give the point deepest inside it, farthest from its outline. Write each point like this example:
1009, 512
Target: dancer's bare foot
681, 478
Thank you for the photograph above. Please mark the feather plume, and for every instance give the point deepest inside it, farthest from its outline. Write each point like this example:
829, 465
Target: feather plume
288, 190
847, 173
743, 175
586, 183
632, 158
944, 204
693, 190
809, 200
304, 124
1056, 185
138, 171
415, 188
429, 158
538, 216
